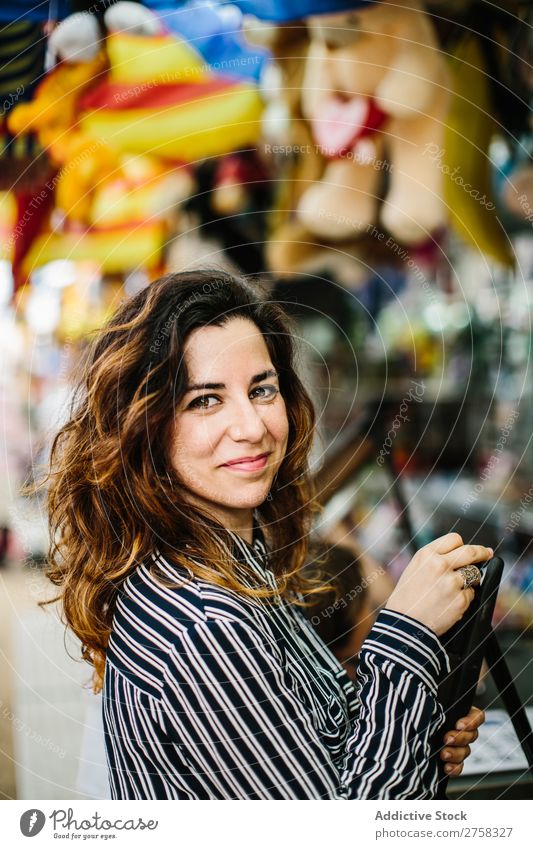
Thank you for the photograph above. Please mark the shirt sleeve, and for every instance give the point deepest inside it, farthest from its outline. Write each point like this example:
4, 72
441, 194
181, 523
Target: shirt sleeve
235, 714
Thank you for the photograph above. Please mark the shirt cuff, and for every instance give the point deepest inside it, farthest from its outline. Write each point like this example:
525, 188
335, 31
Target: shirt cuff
410, 644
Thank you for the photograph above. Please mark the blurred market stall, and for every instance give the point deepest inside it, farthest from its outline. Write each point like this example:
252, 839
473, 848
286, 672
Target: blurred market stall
371, 162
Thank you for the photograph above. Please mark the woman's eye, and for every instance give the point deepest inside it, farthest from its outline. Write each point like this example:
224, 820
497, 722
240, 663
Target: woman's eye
203, 402
266, 392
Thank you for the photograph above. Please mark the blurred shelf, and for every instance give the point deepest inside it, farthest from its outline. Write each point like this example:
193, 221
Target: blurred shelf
440, 491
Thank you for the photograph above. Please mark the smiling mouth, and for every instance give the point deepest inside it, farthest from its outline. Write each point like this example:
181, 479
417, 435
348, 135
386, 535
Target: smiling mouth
248, 464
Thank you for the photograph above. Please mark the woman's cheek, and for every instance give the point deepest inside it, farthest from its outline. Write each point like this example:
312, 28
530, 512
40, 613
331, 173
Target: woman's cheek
284, 427
190, 447
200, 438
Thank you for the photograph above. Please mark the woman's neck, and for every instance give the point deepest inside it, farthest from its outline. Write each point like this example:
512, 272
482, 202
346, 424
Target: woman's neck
244, 529
240, 522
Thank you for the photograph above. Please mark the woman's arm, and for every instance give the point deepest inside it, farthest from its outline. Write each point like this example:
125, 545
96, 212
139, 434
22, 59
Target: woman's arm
400, 664
236, 716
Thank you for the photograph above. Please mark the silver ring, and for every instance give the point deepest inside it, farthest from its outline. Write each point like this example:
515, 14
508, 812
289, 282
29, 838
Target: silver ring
471, 576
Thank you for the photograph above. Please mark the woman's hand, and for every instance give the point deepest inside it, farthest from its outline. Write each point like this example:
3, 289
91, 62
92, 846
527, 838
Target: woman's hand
431, 589
458, 742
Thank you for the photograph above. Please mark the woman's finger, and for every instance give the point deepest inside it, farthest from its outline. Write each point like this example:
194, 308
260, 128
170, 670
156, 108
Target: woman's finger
469, 592
467, 554
455, 755
472, 720
460, 738
444, 544
453, 770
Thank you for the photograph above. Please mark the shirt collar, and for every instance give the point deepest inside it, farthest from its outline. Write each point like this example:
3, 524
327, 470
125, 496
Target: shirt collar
256, 550
253, 555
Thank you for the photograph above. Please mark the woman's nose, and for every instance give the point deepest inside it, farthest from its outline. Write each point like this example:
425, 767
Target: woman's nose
246, 423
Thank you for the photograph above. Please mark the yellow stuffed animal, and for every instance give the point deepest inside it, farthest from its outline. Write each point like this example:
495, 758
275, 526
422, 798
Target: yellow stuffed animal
53, 111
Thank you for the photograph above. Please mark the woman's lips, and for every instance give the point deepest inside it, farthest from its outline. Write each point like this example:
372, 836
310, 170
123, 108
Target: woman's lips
248, 464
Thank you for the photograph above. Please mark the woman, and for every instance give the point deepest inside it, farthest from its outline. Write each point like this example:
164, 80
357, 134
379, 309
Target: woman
180, 508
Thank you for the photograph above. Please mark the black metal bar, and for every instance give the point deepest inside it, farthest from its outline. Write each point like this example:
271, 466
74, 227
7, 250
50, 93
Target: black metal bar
404, 518
509, 694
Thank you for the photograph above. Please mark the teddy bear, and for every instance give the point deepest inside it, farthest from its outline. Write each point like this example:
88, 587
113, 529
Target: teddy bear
375, 92
384, 141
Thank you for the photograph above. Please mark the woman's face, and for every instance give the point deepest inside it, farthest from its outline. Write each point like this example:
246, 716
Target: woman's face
231, 425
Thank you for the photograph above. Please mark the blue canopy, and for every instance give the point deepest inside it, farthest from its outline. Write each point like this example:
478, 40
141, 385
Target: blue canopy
290, 10
34, 10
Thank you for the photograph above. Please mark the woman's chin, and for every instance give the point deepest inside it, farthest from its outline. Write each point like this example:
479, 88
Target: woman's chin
248, 500
246, 496
247, 503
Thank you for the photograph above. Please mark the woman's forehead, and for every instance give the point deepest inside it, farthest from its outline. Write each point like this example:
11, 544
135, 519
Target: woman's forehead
218, 352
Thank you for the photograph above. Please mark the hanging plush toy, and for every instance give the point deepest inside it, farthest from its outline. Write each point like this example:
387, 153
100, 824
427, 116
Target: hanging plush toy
124, 118
399, 143
161, 97
373, 95
375, 92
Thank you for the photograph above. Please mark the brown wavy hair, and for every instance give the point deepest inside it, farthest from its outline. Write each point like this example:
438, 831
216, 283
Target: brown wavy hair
113, 495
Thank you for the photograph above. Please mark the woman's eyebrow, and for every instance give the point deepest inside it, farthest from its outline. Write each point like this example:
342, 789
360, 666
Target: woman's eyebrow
257, 378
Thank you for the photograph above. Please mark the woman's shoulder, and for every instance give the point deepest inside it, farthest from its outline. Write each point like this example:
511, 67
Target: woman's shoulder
173, 599
158, 609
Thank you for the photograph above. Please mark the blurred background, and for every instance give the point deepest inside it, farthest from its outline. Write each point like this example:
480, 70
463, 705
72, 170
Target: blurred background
371, 164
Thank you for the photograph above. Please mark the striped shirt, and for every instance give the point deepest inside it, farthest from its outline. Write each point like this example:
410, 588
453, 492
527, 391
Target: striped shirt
209, 694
